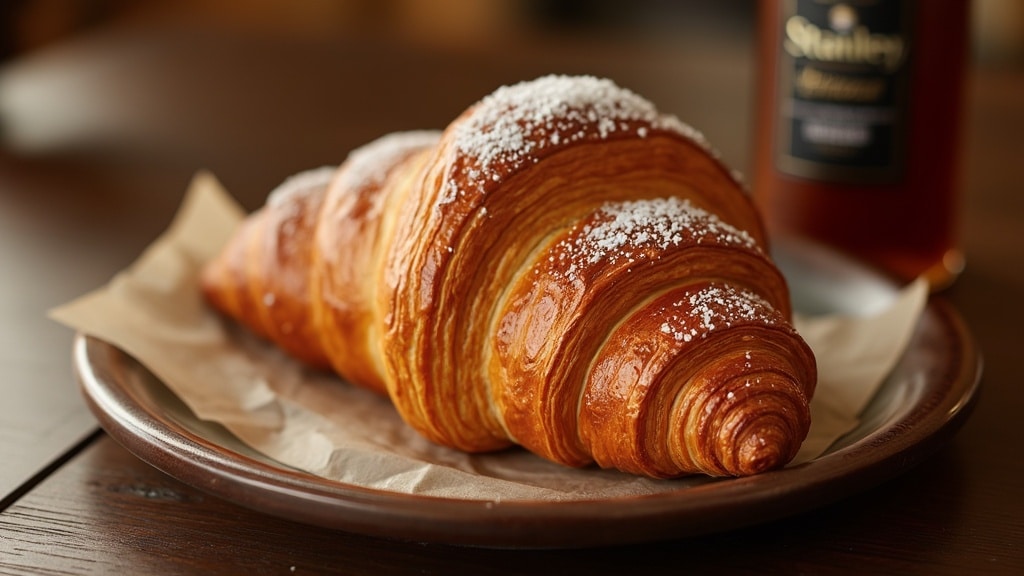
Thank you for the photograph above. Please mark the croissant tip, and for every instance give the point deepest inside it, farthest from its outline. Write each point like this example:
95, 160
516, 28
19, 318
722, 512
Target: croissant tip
762, 451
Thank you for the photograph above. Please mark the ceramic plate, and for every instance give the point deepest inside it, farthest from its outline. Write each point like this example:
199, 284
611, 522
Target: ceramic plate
920, 405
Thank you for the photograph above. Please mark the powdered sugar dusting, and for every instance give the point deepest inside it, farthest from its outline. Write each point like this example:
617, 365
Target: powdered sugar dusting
510, 127
713, 307
370, 164
290, 201
301, 183
640, 230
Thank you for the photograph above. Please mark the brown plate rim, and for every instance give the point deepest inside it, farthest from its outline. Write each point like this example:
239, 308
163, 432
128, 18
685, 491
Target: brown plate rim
132, 417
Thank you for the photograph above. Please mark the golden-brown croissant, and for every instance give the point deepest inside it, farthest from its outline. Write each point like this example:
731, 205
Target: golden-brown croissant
563, 268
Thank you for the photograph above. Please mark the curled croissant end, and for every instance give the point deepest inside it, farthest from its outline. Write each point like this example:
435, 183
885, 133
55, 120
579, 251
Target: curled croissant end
563, 268
693, 368
718, 375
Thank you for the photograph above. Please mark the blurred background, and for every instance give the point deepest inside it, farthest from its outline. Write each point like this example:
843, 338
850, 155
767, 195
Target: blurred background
108, 93
638, 43
646, 45
99, 95
30, 24
27, 25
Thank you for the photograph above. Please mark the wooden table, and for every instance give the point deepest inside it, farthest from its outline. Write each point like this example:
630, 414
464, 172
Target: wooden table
101, 135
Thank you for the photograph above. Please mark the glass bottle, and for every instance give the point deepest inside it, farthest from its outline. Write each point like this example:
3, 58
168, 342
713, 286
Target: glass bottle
859, 128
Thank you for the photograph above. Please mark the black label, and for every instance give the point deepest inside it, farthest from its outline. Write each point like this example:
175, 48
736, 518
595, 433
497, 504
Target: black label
843, 82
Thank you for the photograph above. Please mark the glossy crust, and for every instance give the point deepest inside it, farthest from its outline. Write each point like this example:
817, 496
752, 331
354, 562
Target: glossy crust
262, 278
563, 268
348, 252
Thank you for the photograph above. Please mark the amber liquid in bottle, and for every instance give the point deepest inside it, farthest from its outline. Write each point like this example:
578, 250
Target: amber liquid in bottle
858, 129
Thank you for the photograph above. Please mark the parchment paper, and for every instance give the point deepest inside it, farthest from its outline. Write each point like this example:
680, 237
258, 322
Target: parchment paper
315, 422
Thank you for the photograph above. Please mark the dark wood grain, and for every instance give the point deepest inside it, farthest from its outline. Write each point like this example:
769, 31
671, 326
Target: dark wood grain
143, 110
109, 513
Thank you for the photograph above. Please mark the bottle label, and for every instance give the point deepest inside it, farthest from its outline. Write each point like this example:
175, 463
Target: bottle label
843, 77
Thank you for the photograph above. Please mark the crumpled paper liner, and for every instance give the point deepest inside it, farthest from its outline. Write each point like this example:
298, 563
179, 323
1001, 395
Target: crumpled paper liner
318, 423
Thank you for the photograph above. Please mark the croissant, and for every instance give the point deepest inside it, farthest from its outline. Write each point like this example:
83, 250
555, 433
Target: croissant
563, 268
